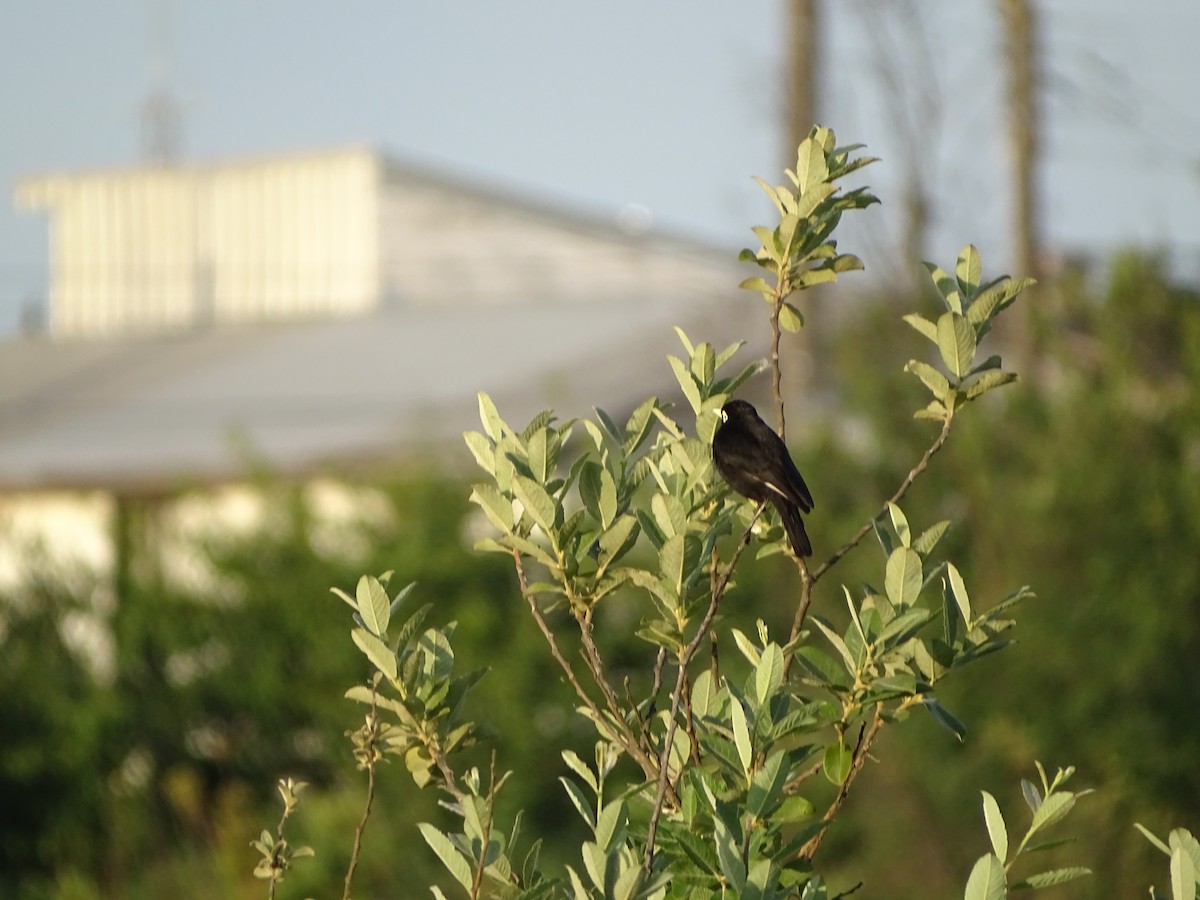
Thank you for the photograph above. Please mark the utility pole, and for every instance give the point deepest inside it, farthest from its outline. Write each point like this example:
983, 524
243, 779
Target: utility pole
1022, 63
802, 33
802, 61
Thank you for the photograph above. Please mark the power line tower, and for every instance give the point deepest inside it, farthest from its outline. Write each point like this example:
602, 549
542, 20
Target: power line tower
161, 118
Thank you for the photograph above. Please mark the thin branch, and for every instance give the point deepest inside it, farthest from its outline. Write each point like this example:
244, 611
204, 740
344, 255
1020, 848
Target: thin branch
596, 666
866, 738
477, 883
916, 471
630, 743
371, 759
677, 694
776, 370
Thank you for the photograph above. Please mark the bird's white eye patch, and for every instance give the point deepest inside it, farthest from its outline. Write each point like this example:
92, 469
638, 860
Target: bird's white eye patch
722, 415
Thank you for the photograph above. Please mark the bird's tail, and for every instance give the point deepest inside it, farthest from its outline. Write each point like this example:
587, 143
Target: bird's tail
794, 526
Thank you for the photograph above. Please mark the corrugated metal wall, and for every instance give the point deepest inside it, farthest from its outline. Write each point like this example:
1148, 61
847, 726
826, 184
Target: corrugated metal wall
166, 249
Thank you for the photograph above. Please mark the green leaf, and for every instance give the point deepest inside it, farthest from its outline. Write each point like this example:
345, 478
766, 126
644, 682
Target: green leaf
995, 826
618, 539
937, 383
374, 607
670, 563
929, 537
946, 718
900, 523
1052, 810
741, 735
768, 675
811, 168
729, 855
379, 653
987, 881
758, 283
837, 762
495, 506
1148, 835
790, 319
838, 644
988, 381
923, 325
946, 286
580, 801
1033, 797
608, 498
454, 861
960, 592
610, 825
767, 785
492, 423
996, 298
793, 809
903, 576
746, 646
537, 502
437, 661
687, 382
956, 343
580, 768
1051, 878
481, 449
969, 271
1183, 875
1181, 837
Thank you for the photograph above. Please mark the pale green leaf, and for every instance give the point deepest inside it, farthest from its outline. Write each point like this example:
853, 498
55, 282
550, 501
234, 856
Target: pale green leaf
1052, 810
987, 881
374, 607
768, 675
956, 343
454, 861
379, 653
608, 498
790, 319
937, 383
903, 576
923, 325
1183, 875
488, 415
959, 588
900, 523
995, 826
481, 449
987, 381
1051, 878
670, 562
741, 735
537, 502
837, 762
969, 271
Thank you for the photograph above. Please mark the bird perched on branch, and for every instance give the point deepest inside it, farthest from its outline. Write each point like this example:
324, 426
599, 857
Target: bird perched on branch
755, 462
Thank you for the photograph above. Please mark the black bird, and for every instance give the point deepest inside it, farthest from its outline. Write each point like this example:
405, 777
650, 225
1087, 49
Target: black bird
755, 462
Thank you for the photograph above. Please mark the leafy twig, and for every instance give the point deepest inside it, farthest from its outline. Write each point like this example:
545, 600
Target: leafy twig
681, 679
370, 758
626, 738
477, 882
914, 473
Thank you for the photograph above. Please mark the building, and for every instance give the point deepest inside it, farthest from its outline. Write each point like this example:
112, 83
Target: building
315, 314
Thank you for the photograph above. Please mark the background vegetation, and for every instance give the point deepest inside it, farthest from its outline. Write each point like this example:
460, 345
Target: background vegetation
151, 779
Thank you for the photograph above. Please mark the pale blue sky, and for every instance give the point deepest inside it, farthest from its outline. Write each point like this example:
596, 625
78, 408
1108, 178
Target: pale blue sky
666, 103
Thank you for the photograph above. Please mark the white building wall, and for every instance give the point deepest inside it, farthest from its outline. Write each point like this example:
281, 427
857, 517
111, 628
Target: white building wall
149, 250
